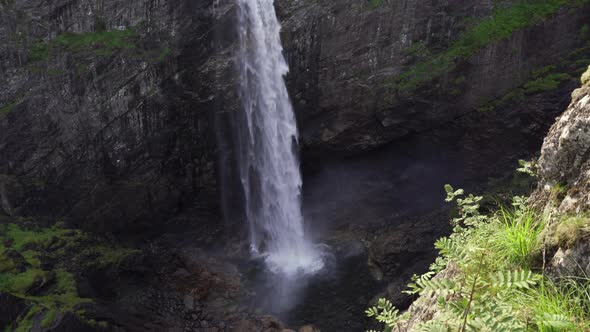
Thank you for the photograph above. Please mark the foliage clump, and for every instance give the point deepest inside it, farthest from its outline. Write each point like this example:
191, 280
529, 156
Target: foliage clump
492, 280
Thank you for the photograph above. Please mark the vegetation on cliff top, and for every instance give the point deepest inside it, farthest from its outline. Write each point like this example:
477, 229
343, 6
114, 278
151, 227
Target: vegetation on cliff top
39, 264
503, 22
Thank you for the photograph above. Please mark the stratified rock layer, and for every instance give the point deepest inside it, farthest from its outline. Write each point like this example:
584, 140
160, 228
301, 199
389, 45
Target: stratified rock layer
345, 57
107, 108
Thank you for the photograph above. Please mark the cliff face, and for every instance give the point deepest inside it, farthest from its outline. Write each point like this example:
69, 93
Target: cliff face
366, 73
106, 107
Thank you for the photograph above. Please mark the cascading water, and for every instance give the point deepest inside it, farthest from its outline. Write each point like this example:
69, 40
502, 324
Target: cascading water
267, 146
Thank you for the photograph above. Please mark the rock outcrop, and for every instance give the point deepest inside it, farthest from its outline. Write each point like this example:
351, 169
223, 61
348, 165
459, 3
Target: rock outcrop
564, 187
564, 166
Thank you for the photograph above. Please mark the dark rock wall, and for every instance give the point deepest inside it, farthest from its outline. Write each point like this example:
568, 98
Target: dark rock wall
344, 56
114, 137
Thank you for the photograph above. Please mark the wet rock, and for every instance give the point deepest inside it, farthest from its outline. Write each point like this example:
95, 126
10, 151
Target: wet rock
68, 322
12, 194
271, 323
308, 328
245, 326
189, 303
573, 261
11, 307
19, 263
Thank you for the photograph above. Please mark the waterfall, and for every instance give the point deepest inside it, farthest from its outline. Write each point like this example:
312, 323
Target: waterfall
267, 146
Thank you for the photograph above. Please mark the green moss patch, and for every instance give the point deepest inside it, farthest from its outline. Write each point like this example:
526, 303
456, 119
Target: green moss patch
566, 232
101, 43
40, 264
6, 109
503, 23
88, 47
570, 230
374, 4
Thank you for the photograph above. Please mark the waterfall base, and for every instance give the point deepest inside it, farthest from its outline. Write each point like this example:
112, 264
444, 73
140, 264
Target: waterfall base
306, 261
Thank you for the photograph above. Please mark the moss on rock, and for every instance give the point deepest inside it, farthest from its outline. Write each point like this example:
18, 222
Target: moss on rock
570, 230
586, 77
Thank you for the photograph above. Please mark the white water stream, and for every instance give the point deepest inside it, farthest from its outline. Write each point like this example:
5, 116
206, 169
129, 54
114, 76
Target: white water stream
268, 153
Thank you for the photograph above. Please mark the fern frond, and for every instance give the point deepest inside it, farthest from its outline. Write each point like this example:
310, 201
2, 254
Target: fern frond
435, 326
518, 279
554, 322
441, 287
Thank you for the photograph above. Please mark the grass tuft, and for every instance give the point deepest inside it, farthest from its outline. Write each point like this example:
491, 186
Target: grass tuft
517, 234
